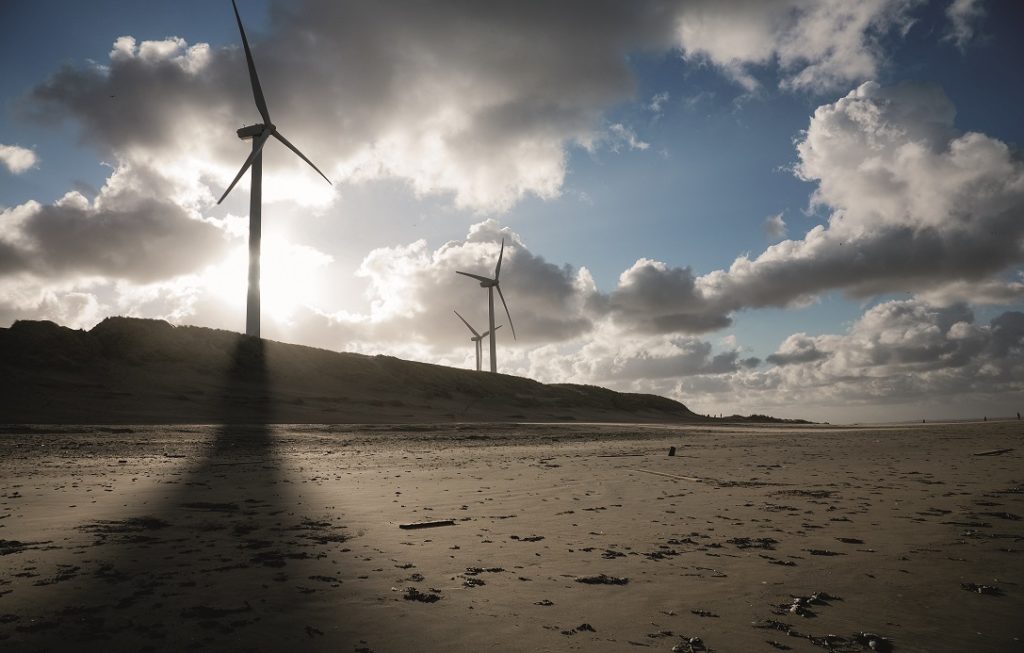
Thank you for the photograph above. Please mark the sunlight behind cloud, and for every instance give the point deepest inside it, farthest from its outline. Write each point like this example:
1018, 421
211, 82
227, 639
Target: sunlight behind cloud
291, 277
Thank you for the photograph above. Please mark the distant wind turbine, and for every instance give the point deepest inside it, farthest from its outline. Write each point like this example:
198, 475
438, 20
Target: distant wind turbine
258, 133
476, 338
490, 285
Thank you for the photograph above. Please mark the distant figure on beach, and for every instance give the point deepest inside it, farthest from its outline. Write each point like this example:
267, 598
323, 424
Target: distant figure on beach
984, 419
1018, 415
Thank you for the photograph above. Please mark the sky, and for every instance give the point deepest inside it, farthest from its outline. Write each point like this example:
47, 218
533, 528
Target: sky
805, 208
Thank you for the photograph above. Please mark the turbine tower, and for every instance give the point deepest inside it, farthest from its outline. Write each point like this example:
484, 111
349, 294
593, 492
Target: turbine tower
490, 285
476, 338
258, 134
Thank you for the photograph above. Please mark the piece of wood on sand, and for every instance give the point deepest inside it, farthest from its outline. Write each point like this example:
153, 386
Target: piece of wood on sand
675, 476
428, 524
992, 452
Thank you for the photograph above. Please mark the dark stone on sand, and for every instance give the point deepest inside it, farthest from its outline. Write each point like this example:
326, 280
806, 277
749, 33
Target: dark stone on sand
988, 590
602, 579
413, 594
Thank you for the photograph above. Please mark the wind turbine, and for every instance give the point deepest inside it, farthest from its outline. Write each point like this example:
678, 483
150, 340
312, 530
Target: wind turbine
476, 338
258, 134
490, 285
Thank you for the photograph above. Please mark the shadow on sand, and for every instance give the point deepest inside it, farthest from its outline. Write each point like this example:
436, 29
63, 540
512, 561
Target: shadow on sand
218, 559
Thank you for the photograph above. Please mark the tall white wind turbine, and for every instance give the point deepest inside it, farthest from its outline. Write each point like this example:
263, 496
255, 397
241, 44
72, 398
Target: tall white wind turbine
258, 134
491, 285
476, 338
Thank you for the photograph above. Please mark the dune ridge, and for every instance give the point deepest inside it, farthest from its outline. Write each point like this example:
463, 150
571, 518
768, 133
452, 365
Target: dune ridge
130, 370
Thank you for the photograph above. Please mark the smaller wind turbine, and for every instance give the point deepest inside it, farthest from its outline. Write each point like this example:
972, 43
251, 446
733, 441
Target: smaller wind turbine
476, 338
490, 285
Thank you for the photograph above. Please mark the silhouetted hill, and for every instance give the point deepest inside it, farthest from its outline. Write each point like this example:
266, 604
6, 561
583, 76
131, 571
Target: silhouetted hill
128, 370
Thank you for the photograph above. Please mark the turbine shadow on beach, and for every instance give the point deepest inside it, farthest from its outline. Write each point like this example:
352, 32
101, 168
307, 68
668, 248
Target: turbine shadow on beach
223, 560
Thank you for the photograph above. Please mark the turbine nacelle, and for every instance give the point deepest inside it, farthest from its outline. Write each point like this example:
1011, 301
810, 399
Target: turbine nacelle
254, 131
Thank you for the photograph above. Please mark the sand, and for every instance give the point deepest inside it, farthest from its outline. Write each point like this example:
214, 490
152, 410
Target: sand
276, 538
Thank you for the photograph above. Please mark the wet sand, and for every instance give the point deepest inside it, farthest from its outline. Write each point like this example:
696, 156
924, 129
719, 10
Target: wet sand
565, 537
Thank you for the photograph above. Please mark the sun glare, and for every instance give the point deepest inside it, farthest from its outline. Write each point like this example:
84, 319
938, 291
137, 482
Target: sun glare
291, 276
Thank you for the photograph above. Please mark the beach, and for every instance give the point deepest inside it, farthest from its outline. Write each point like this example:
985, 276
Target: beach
590, 537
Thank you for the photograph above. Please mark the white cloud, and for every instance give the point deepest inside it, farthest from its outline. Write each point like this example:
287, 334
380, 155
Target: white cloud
623, 135
450, 97
964, 17
900, 359
775, 227
656, 105
17, 159
915, 207
819, 44
125, 233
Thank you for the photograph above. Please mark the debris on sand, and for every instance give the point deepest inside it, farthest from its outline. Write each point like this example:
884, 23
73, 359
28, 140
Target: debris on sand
528, 538
800, 605
824, 552
753, 542
475, 571
874, 642
672, 476
989, 590
690, 645
703, 613
413, 594
772, 624
992, 452
428, 524
8, 547
602, 579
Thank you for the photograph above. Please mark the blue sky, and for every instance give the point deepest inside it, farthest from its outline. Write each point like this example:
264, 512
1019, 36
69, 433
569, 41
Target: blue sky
607, 182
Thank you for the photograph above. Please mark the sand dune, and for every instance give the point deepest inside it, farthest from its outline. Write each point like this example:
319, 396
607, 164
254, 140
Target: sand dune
129, 371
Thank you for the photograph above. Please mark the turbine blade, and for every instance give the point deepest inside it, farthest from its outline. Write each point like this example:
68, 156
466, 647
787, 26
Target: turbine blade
485, 334
473, 276
257, 91
302, 156
467, 325
497, 268
506, 313
245, 166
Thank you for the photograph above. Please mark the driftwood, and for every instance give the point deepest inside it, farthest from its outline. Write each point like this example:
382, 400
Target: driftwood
428, 524
993, 452
678, 478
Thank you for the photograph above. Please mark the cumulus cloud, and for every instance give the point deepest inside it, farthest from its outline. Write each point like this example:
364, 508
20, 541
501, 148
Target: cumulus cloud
915, 206
797, 348
898, 352
819, 44
125, 233
17, 159
412, 291
477, 100
652, 297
